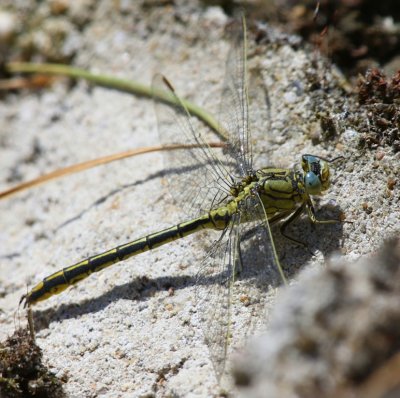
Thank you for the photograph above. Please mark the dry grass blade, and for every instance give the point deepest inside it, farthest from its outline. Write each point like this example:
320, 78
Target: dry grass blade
78, 167
33, 82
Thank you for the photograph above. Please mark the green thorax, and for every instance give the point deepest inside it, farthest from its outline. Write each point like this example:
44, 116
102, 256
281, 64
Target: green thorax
281, 190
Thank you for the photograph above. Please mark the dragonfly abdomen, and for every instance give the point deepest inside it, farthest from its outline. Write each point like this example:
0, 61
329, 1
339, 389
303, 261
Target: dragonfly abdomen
60, 280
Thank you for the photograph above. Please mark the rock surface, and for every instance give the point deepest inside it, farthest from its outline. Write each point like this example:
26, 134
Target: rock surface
132, 329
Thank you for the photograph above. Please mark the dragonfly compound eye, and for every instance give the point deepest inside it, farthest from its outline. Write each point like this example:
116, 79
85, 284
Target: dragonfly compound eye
312, 183
316, 178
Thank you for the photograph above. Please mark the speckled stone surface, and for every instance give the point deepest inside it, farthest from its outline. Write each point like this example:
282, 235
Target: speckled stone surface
132, 330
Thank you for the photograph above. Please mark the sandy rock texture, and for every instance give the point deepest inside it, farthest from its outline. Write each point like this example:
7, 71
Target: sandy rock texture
132, 330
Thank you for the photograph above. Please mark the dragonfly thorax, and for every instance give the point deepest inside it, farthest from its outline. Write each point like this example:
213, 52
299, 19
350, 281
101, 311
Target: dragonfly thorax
281, 190
239, 186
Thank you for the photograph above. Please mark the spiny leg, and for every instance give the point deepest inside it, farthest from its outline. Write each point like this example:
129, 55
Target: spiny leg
247, 235
314, 220
286, 223
311, 215
251, 232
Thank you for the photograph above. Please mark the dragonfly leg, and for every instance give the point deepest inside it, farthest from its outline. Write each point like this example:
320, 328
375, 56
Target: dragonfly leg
247, 235
286, 223
314, 220
239, 267
278, 217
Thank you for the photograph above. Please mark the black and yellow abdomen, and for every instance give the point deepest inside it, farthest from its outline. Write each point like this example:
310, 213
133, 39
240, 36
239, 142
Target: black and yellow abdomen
59, 281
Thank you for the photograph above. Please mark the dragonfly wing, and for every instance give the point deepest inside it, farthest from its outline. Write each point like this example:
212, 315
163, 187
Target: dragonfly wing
237, 93
260, 267
213, 294
197, 179
233, 109
234, 281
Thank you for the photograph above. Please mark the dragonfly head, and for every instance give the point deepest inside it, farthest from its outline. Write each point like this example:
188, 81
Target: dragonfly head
316, 173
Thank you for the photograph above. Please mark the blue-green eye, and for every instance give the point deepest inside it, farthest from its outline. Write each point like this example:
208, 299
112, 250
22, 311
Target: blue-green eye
310, 159
312, 183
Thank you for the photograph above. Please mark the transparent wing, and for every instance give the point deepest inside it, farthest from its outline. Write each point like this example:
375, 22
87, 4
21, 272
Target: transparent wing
260, 267
259, 119
197, 179
234, 280
213, 294
233, 109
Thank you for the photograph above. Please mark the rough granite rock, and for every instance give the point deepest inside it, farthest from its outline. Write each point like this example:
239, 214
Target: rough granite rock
333, 334
132, 330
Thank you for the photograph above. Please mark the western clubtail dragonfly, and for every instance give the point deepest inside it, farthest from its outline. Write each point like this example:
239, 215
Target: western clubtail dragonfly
219, 190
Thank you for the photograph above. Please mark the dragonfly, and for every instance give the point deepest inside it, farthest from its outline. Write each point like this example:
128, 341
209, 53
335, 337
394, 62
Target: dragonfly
219, 190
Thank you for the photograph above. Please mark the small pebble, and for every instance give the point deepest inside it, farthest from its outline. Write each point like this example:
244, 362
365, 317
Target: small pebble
290, 97
375, 165
367, 208
391, 182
